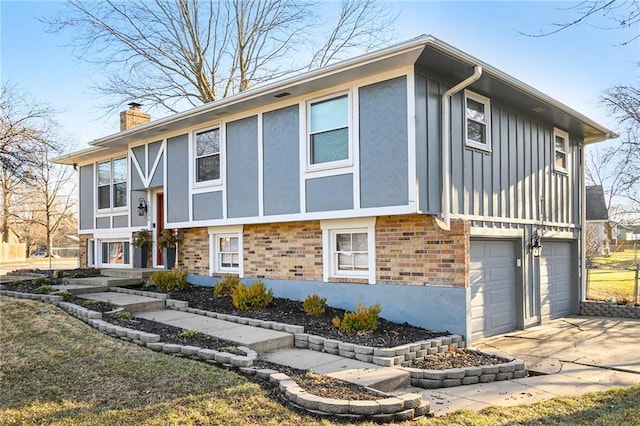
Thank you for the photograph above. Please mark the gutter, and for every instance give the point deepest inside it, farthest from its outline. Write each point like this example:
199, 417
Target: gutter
445, 147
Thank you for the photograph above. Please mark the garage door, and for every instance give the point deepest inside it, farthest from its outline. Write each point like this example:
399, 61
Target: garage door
493, 288
555, 280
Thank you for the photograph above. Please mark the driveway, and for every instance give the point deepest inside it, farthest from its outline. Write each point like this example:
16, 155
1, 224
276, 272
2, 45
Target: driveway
608, 343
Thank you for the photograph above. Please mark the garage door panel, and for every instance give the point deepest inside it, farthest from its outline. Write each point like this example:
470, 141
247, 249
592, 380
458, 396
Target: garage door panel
493, 294
555, 279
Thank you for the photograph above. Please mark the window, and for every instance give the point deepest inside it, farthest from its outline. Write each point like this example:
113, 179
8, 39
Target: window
207, 155
227, 254
478, 121
91, 253
112, 184
329, 130
349, 248
114, 252
560, 141
226, 250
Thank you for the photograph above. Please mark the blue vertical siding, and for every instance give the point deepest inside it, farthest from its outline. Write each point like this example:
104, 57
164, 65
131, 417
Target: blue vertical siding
242, 167
177, 195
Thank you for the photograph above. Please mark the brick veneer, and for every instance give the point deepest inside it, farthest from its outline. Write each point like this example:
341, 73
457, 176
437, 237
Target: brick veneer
413, 249
289, 250
82, 249
410, 249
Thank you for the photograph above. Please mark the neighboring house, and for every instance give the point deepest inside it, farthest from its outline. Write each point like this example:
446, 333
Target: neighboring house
597, 221
623, 233
342, 182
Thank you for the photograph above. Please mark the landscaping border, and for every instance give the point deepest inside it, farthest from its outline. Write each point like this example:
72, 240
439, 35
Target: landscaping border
609, 309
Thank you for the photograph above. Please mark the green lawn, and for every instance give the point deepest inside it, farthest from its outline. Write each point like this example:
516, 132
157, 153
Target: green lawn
57, 370
613, 278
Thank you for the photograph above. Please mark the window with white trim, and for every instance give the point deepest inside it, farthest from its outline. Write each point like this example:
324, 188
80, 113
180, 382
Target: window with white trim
561, 148
207, 155
114, 253
225, 244
328, 128
349, 248
112, 183
227, 253
477, 129
91, 252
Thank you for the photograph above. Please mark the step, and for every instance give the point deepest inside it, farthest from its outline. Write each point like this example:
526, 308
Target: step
385, 379
258, 339
129, 273
78, 289
128, 302
104, 281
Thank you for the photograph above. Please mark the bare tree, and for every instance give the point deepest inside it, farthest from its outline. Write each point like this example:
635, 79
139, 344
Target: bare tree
166, 53
24, 125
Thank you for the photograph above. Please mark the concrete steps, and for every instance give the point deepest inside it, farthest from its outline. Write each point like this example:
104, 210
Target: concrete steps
128, 302
140, 274
104, 282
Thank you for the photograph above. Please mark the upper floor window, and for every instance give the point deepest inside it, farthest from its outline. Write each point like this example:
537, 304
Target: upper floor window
207, 155
561, 147
112, 183
478, 121
329, 131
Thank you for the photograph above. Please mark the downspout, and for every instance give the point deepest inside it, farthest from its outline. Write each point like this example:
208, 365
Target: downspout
446, 151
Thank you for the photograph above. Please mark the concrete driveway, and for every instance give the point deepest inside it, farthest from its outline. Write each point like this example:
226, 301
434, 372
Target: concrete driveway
608, 343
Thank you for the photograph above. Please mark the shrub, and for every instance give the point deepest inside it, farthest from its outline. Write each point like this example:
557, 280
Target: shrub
189, 334
314, 305
41, 281
142, 238
64, 293
19, 283
90, 303
79, 275
363, 319
226, 285
169, 281
123, 315
254, 297
44, 289
167, 239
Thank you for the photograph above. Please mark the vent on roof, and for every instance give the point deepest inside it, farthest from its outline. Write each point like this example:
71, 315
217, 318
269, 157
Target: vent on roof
281, 95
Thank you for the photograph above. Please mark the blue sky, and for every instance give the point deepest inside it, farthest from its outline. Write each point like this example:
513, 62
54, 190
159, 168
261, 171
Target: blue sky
574, 66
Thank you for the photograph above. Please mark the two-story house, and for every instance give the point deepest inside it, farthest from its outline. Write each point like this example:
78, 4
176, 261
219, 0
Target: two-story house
416, 176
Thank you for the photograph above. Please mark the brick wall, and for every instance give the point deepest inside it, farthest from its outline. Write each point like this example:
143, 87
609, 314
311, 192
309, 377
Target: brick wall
82, 249
291, 251
133, 117
193, 251
413, 249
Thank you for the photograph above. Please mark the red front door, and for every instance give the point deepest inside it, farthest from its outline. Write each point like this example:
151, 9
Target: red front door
159, 224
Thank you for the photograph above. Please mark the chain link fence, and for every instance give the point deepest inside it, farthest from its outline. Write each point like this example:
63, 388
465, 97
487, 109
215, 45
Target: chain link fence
614, 277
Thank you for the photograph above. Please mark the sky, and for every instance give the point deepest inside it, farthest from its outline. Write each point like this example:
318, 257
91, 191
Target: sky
573, 66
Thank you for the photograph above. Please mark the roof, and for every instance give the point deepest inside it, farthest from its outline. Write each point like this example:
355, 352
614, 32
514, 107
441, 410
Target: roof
595, 204
426, 51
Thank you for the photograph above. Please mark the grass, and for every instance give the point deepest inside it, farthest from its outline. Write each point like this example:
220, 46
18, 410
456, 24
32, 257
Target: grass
614, 278
57, 370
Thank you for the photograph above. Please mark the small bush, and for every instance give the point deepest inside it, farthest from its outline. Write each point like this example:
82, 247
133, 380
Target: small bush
189, 334
64, 293
79, 275
90, 303
19, 283
254, 297
169, 281
314, 305
44, 289
123, 315
41, 281
363, 319
226, 285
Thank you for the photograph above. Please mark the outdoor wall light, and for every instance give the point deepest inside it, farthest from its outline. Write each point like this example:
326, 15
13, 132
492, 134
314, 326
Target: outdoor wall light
535, 247
142, 207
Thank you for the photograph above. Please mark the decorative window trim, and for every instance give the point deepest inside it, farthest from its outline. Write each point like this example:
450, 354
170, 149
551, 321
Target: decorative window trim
330, 228
194, 157
565, 151
338, 164
112, 185
486, 102
215, 233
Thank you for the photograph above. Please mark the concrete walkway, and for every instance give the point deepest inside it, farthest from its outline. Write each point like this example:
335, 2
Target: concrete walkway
573, 356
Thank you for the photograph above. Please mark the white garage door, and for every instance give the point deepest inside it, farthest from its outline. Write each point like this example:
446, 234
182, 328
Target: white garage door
555, 280
493, 288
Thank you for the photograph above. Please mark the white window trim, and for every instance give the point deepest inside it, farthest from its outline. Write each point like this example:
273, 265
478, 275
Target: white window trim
91, 252
225, 231
487, 113
112, 182
331, 165
98, 248
193, 157
564, 135
329, 230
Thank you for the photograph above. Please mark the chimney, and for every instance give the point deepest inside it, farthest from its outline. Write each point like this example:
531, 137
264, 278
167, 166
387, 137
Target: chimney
133, 117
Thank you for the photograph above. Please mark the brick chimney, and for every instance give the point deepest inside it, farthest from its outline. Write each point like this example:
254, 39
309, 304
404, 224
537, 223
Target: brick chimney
133, 117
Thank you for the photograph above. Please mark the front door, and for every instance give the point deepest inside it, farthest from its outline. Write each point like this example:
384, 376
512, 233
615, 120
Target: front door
159, 225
